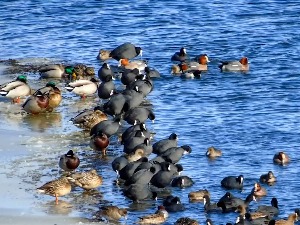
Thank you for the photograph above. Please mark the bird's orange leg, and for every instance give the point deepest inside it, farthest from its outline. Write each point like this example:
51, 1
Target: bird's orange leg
16, 100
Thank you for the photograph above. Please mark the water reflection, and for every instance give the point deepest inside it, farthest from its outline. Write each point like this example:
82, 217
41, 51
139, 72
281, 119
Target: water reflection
43, 121
62, 208
10, 113
86, 197
141, 206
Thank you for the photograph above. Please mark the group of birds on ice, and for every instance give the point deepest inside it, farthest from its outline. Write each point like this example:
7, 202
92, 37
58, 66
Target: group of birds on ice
141, 178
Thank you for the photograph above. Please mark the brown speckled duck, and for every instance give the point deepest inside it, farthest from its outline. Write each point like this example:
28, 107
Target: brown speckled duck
292, 218
254, 215
104, 55
89, 118
86, 180
89, 71
136, 155
212, 152
198, 195
159, 217
186, 221
113, 212
56, 188
81, 70
268, 178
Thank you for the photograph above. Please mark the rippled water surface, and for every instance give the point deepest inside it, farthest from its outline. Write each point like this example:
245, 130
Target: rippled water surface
249, 116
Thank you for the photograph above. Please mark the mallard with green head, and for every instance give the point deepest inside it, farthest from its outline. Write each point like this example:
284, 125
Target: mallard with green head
83, 88
56, 188
37, 103
56, 71
54, 94
16, 89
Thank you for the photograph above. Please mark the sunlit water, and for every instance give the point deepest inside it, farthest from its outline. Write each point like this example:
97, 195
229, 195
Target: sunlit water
249, 116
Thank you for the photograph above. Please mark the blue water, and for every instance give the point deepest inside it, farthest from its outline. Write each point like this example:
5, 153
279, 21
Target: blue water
248, 116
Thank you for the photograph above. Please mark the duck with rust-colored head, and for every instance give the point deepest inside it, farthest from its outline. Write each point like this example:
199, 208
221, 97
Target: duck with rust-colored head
69, 161
182, 68
131, 65
258, 190
235, 66
202, 60
193, 66
99, 142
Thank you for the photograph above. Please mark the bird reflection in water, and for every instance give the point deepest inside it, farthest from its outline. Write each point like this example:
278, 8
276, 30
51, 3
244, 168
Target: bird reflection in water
62, 208
43, 121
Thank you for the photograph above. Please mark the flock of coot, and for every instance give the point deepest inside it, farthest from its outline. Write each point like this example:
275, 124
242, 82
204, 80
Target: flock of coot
145, 169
